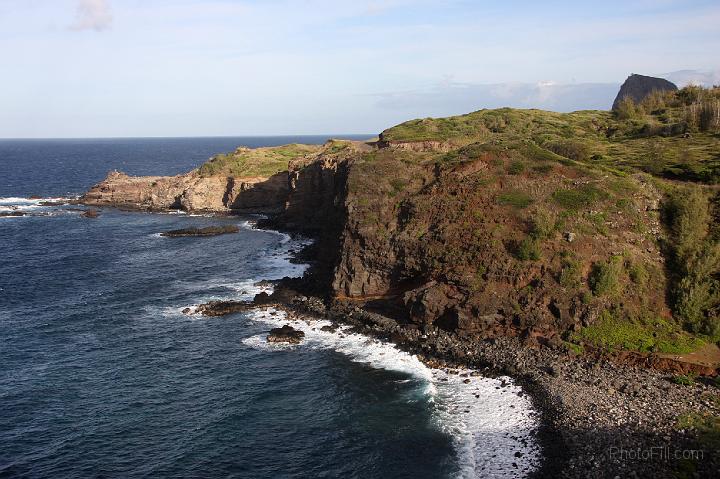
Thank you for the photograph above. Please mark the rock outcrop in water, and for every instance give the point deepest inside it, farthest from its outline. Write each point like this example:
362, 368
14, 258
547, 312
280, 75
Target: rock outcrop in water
286, 334
207, 231
637, 87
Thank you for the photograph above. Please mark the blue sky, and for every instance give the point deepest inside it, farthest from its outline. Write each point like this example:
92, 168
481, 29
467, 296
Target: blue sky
88, 68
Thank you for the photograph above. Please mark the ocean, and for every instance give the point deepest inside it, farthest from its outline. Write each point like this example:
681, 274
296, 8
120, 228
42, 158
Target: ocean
102, 375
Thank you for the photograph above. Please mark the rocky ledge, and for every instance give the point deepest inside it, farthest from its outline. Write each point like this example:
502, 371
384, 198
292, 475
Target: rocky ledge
207, 231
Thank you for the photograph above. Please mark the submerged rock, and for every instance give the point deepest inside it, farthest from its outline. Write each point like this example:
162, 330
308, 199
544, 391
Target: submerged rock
286, 334
207, 231
90, 214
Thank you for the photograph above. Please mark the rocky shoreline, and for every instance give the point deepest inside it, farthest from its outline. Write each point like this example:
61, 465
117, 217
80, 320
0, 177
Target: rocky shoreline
495, 258
598, 418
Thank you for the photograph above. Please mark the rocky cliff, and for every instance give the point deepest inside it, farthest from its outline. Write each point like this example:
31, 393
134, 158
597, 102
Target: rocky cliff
521, 223
191, 192
637, 87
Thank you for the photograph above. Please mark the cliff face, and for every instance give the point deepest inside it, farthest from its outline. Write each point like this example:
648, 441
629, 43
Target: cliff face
191, 192
474, 246
495, 223
637, 87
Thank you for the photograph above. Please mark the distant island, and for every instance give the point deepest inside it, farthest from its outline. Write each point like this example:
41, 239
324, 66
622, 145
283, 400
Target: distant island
577, 252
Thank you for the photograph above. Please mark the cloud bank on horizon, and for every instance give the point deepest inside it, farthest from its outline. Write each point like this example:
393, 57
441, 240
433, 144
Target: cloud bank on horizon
82, 68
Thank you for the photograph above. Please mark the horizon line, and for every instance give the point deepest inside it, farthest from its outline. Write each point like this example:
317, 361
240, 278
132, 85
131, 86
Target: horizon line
330, 136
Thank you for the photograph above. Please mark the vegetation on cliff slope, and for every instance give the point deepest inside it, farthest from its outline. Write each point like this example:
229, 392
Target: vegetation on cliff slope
587, 228
572, 223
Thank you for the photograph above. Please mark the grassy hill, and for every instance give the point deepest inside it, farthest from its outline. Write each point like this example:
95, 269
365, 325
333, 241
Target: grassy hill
674, 135
591, 229
490, 219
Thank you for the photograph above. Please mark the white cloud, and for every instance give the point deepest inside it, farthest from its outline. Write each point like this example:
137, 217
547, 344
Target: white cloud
93, 15
696, 77
457, 98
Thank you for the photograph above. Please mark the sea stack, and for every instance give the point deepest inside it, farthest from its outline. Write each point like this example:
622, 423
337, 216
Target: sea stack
637, 87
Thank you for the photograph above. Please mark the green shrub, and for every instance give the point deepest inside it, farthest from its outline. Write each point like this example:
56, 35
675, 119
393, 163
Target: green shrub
543, 225
570, 273
528, 249
627, 109
604, 277
705, 426
575, 348
684, 379
397, 185
516, 167
694, 261
515, 198
638, 274
543, 169
573, 149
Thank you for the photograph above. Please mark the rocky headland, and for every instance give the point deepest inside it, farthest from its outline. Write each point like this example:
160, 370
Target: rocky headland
577, 253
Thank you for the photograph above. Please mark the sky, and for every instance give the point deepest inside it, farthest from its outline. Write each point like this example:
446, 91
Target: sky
115, 68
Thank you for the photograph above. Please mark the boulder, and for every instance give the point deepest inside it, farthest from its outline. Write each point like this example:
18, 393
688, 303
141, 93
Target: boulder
286, 334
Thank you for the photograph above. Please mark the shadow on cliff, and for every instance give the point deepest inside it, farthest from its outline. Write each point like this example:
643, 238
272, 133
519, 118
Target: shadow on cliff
267, 196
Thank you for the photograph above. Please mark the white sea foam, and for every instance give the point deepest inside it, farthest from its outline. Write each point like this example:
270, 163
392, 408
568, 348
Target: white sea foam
31, 207
26, 202
488, 419
286, 238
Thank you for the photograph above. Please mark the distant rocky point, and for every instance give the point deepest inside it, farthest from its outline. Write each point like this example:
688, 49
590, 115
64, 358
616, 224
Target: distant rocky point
637, 87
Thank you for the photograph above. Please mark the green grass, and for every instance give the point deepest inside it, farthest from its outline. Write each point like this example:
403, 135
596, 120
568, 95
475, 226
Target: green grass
684, 379
577, 198
255, 162
657, 335
575, 348
516, 167
528, 249
654, 140
604, 279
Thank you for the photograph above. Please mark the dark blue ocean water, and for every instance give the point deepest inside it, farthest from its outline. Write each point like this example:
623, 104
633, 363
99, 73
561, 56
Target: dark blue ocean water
102, 375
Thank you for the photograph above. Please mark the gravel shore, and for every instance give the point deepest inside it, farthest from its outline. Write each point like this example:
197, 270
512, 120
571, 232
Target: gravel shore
600, 419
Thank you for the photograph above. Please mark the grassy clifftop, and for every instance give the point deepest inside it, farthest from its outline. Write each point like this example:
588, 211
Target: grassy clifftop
672, 134
256, 161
